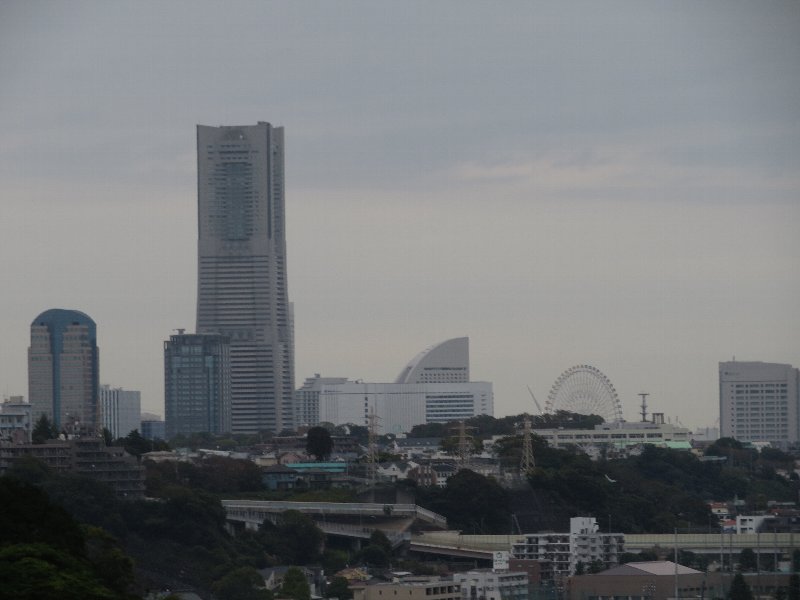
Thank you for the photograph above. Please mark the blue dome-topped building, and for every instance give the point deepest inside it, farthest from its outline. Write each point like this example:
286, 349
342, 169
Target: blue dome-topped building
63, 370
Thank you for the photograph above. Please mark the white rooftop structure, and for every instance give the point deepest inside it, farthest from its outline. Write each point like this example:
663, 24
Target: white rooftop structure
434, 387
446, 362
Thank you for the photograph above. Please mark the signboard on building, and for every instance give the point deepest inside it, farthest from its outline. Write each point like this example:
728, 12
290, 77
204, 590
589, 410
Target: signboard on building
500, 560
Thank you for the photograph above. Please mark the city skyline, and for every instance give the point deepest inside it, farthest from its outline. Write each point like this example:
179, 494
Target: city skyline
565, 184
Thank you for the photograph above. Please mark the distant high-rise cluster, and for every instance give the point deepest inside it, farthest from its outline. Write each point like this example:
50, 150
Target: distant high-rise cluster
759, 402
63, 366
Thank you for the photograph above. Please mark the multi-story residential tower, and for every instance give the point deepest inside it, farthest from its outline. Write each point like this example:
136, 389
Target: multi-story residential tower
121, 410
759, 402
241, 286
63, 367
563, 552
197, 384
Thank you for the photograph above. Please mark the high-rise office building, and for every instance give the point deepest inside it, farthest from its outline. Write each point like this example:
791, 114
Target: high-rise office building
197, 384
759, 402
241, 286
63, 370
121, 410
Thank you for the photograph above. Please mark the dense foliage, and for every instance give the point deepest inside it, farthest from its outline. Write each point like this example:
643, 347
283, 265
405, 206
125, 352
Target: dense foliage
651, 493
319, 443
45, 554
483, 426
471, 502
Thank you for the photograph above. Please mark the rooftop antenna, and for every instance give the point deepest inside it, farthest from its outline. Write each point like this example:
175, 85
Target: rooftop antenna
644, 396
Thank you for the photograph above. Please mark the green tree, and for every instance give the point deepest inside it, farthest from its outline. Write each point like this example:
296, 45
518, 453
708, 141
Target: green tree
339, 588
44, 429
135, 444
109, 561
374, 556
335, 560
28, 516
295, 540
29, 469
378, 538
43, 572
244, 583
475, 504
319, 443
596, 566
747, 560
295, 585
739, 589
108, 437
794, 587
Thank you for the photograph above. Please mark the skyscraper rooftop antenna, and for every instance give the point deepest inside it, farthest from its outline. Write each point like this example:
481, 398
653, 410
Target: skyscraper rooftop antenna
644, 396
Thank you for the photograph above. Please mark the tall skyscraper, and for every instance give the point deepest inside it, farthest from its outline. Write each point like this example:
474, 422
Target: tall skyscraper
759, 402
241, 285
197, 384
63, 370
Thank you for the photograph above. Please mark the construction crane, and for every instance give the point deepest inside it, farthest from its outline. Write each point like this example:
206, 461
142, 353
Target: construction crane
539, 406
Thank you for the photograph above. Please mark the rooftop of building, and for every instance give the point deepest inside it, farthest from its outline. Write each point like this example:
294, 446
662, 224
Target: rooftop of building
660, 567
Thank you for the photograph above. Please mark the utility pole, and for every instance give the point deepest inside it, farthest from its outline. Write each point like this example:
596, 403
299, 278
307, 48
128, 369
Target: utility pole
464, 442
527, 463
372, 450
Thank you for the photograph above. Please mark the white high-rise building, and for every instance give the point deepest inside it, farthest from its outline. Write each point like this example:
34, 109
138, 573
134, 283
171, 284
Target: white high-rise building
241, 286
759, 402
121, 410
433, 387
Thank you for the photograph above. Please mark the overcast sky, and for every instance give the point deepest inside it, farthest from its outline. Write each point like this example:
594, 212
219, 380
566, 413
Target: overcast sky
605, 183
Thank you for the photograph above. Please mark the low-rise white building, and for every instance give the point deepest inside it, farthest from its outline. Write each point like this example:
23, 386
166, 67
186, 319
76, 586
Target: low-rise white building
433, 387
487, 584
620, 435
16, 422
583, 544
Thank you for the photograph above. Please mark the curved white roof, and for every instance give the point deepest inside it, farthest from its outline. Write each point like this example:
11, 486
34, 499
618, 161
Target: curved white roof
446, 362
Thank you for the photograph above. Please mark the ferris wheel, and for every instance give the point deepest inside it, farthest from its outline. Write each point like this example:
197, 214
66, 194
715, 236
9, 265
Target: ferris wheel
585, 390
